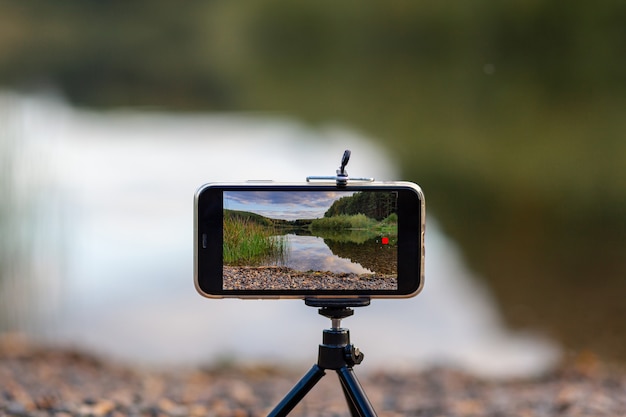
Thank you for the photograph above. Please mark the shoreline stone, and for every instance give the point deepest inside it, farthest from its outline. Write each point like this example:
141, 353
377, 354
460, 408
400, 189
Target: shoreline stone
283, 278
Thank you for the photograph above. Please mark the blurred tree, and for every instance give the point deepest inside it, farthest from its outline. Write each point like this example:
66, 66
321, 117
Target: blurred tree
509, 114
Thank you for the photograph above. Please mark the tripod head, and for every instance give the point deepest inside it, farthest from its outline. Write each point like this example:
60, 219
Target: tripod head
337, 309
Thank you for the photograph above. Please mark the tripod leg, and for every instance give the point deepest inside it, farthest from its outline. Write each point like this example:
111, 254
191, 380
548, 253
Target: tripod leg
298, 392
358, 402
353, 411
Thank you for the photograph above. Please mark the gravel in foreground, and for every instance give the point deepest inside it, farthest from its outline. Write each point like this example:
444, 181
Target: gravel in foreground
46, 382
283, 278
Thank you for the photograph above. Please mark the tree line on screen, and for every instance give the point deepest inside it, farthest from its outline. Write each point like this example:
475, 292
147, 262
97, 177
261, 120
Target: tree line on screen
375, 205
361, 210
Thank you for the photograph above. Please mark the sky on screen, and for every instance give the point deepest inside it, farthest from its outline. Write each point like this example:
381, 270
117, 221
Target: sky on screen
284, 205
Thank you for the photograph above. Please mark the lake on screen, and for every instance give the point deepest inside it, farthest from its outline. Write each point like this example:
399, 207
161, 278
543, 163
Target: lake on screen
310, 253
98, 252
316, 253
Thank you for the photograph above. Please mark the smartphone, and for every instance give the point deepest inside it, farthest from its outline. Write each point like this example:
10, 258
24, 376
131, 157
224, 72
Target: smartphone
309, 240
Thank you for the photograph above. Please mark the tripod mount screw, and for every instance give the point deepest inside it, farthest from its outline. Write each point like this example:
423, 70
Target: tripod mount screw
353, 356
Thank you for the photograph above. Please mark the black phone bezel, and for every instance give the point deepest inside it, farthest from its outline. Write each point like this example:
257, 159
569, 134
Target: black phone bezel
208, 241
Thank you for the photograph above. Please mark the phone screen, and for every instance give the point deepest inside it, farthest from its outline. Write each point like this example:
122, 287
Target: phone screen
303, 240
310, 240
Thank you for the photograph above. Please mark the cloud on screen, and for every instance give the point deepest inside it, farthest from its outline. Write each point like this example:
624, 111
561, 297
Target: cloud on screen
286, 205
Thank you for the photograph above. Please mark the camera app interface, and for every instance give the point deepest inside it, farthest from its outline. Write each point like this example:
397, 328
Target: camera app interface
310, 240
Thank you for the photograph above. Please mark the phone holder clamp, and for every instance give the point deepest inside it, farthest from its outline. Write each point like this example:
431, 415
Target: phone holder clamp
341, 178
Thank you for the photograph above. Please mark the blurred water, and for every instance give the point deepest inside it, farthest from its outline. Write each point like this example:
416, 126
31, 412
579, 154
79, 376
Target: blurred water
97, 246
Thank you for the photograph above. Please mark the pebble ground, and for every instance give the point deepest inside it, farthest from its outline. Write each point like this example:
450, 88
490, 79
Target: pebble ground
36, 381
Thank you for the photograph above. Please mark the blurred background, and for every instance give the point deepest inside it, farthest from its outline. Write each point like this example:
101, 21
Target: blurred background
509, 115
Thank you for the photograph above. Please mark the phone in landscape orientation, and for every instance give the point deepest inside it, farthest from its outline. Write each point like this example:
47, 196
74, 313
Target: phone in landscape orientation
309, 240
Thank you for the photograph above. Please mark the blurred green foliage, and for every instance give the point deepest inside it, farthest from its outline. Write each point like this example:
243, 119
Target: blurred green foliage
509, 114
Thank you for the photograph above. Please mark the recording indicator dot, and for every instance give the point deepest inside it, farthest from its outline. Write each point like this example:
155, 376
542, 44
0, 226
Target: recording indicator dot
385, 241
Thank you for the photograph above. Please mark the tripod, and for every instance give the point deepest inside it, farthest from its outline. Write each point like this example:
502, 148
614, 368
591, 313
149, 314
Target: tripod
336, 353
